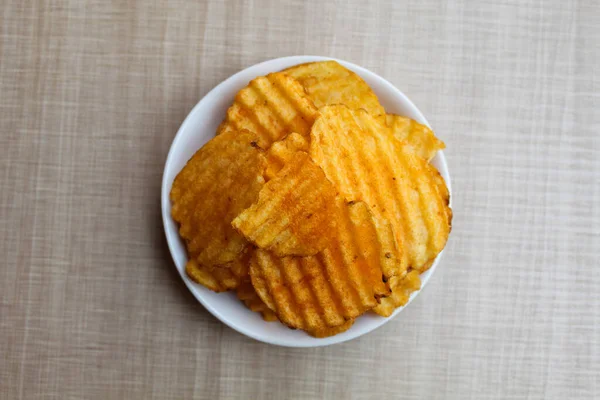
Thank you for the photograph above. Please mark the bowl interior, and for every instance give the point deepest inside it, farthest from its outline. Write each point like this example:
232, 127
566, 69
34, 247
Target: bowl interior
199, 127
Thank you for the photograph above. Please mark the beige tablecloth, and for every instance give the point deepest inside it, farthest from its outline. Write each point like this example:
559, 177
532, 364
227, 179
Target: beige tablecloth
91, 95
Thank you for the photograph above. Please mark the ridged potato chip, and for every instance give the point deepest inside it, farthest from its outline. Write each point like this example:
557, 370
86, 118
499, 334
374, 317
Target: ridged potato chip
402, 287
361, 157
328, 82
221, 180
281, 152
293, 213
271, 106
336, 285
220, 278
249, 297
419, 139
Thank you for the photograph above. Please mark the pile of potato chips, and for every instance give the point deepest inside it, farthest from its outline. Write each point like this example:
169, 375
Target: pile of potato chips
312, 203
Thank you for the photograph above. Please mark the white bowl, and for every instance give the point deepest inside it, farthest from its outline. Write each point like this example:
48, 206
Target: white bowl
197, 129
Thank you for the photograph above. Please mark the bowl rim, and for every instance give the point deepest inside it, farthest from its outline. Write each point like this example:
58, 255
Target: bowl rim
166, 204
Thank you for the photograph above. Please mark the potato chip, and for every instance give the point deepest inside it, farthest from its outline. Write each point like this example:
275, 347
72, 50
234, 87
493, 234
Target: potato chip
402, 287
271, 106
361, 157
220, 278
338, 284
249, 297
293, 214
281, 152
221, 180
419, 139
328, 82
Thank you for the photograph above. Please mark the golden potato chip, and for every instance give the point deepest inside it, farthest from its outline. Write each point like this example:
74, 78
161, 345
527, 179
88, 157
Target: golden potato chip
248, 296
272, 106
293, 214
281, 152
328, 82
338, 284
221, 180
326, 332
402, 287
361, 157
219, 278
419, 139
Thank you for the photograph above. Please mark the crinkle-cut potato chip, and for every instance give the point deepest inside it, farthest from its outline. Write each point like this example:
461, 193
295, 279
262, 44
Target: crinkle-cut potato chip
219, 278
246, 293
419, 138
336, 285
294, 214
271, 106
326, 332
361, 157
281, 152
402, 287
328, 82
221, 180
